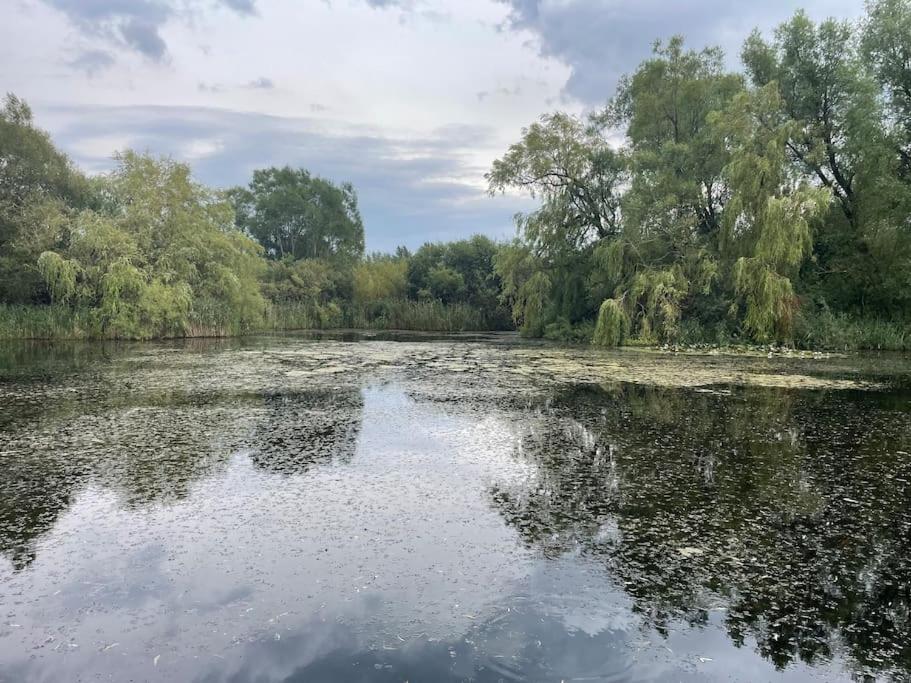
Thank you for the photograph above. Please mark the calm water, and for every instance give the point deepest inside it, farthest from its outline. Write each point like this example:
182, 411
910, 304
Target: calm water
289, 509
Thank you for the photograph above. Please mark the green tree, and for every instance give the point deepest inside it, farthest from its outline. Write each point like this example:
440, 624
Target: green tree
162, 259
768, 217
666, 264
456, 272
37, 185
570, 164
841, 139
292, 213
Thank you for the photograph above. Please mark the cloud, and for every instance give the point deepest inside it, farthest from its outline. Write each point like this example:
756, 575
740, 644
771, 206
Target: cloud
241, 6
92, 62
143, 37
210, 87
261, 83
411, 190
501, 91
601, 40
133, 23
382, 4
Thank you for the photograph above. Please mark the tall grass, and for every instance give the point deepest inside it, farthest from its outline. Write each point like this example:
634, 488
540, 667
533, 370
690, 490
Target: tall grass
64, 322
422, 316
840, 332
48, 322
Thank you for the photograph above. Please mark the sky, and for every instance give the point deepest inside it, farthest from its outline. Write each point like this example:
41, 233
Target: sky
410, 100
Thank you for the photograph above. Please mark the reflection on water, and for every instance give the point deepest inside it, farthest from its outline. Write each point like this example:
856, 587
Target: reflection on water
281, 509
789, 513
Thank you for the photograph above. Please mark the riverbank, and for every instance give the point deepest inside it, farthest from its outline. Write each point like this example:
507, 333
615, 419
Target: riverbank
826, 332
68, 323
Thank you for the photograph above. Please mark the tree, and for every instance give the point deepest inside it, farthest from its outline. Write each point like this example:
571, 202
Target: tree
886, 48
37, 185
677, 192
162, 259
457, 272
829, 80
768, 218
294, 214
665, 262
570, 164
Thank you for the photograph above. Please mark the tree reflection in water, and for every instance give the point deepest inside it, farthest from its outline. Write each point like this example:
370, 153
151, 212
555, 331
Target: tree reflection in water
153, 448
790, 511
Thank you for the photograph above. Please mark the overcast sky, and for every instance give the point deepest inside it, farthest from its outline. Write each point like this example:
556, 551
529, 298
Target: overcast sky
408, 99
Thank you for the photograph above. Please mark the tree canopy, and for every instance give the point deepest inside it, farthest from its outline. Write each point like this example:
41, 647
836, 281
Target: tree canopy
737, 205
298, 215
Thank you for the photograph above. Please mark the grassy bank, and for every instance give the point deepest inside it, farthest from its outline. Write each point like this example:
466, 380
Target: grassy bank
825, 331
64, 322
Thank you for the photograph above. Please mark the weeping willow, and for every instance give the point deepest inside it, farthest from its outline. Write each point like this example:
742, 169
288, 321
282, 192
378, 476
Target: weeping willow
612, 326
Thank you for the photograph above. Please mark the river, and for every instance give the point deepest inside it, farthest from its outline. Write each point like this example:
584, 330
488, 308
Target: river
355, 507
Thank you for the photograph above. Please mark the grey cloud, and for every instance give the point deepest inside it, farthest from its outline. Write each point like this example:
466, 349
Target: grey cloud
144, 38
261, 83
400, 205
502, 91
99, 10
600, 40
134, 23
241, 6
92, 62
390, 3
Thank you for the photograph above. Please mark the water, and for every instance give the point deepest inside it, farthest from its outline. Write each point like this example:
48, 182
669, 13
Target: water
436, 509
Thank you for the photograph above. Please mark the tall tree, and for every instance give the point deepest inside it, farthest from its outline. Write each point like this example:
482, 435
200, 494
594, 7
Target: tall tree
37, 184
294, 214
677, 193
570, 164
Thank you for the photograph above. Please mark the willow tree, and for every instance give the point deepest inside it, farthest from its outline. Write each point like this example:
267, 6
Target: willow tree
38, 186
570, 165
886, 52
840, 140
673, 210
161, 259
767, 220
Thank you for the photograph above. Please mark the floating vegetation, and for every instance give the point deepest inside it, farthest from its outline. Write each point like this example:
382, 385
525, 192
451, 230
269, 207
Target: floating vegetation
421, 503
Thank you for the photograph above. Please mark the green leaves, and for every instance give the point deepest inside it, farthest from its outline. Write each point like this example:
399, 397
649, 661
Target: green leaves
295, 214
60, 276
730, 205
612, 325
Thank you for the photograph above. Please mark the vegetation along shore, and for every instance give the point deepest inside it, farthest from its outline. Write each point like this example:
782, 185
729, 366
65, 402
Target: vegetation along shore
765, 205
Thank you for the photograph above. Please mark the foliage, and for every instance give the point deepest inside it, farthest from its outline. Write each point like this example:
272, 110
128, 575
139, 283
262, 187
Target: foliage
294, 214
700, 204
37, 184
160, 259
380, 278
733, 203
612, 326
461, 272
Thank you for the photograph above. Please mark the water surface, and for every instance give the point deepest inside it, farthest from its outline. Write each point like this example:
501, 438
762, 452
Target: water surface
436, 509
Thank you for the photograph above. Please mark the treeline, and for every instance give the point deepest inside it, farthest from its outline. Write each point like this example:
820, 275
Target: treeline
700, 205
145, 251
772, 205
